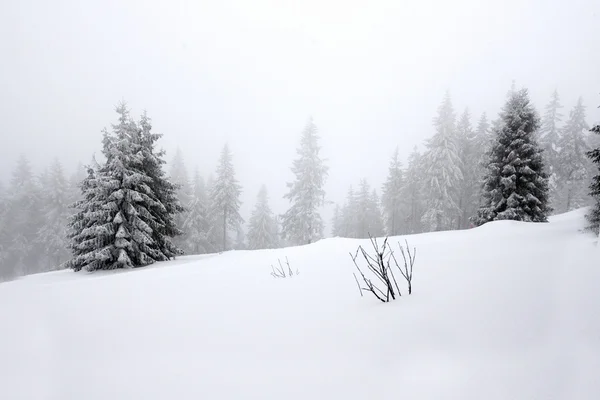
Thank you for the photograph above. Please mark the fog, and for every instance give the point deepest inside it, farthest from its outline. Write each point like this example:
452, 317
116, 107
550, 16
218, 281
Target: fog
371, 74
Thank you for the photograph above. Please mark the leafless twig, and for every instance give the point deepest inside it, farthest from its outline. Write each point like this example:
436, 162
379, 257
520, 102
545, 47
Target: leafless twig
280, 271
379, 265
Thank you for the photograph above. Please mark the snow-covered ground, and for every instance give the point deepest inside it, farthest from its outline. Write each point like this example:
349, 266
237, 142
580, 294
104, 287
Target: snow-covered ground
506, 311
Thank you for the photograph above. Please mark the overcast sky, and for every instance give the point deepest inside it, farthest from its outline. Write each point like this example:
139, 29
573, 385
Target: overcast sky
251, 73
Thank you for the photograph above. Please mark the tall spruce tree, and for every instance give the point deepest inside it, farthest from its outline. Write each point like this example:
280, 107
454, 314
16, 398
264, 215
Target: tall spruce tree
52, 235
349, 216
443, 171
121, 222
302, 222
215, 234
240, 239
516, 185
82, 231
337, 222
368, 220
483, 144
412, 193
364, 211
573, 166
593, 215
23, 219
262, 231
361, 215
376, 225
167, 208
392, 196
549, 138
197, 224
483, 140
225, 197
179, 176
470, 151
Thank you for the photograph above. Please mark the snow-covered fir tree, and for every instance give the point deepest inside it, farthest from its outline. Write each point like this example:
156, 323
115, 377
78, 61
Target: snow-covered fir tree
82, 229
368, 215
470, 153
337, 222
483, 144
443, 171
118, 224
262, 231
483, 139
392, 197
516, 185
302, 222
225, 197
593, 215
52, 234
215, 235
23, 218
167, 208
179, 176
549, 137
197, 224
240, 239
412, 193
364, 213
573, 166
496, 124
361, 215
349, 216
376, 225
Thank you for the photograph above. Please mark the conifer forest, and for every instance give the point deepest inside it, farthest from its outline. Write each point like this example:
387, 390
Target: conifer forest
133, 204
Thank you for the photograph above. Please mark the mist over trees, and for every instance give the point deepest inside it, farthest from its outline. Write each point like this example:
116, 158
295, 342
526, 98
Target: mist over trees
225, 198
129, 208
197, 226
262, 231
513, 168
443, 168
302, 222
392, 197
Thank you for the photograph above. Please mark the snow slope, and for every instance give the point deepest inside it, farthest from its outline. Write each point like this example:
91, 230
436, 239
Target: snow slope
506, 311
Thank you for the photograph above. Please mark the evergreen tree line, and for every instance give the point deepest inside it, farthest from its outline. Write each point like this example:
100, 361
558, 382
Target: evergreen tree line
468, 175
34, 210
211, 221
126, 211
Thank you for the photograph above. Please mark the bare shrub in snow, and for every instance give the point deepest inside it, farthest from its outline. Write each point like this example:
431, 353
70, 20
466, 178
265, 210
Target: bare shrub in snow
281, 270
380, 264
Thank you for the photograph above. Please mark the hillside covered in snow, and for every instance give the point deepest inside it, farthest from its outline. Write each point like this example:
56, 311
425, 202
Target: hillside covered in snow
508, 310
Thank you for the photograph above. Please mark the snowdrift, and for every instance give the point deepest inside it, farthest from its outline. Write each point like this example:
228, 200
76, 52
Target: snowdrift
506, 311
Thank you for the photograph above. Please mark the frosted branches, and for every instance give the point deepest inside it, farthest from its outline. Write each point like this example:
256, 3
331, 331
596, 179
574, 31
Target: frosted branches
281, 270
382, 283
